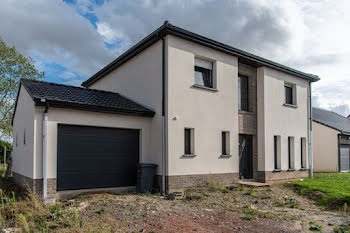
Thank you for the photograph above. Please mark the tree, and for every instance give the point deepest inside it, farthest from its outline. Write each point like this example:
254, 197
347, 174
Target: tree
13, 67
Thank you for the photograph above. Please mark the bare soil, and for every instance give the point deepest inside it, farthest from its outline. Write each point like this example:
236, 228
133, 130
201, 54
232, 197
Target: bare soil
209, 209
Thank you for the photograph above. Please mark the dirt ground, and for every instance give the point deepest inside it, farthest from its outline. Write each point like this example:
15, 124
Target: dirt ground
209, 209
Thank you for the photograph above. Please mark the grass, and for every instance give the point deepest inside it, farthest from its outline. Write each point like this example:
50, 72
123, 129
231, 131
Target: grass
314, 226
327, 189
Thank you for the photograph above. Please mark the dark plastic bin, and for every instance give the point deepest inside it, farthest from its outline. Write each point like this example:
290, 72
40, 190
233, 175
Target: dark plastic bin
146, 173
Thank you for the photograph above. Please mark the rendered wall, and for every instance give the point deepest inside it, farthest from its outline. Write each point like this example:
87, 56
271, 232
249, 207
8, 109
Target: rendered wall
208, 112
22, 155
276, 119
141, 80
325, 148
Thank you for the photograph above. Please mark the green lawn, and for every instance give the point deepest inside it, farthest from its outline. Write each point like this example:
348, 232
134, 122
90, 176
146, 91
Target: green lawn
329, 189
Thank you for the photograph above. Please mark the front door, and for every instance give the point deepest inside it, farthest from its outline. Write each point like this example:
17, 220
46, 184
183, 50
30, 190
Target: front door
245, 156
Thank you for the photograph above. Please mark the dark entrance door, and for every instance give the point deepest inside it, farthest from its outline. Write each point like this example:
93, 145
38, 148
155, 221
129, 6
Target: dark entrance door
245, 156
96, 157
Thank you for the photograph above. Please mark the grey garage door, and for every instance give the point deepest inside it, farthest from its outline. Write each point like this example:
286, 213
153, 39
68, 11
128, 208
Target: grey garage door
344, 158
95, 157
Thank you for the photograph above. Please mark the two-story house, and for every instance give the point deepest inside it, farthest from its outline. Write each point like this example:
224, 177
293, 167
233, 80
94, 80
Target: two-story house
199, 109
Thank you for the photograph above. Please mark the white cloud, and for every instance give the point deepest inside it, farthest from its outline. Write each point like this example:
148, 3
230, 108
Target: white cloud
308, 35
54, 30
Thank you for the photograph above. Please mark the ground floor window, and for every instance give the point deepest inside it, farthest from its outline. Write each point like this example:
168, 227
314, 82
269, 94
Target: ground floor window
303, 152
290, 152
225, 143
189, 139
277, 152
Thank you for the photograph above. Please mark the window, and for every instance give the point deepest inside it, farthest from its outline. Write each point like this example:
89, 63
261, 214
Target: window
303, 152
203, 73
24, 137
243, 93
225, 143
290, 152
189, 139
290, 94
16, 139
277, 152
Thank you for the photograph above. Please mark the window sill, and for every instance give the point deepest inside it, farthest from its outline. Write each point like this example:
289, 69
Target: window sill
290, 105
205, 88
225, 156
277, 170
291, 170
303, 169
189, 155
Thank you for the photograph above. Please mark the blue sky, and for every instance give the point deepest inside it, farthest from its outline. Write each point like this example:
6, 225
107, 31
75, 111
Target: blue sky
71, 40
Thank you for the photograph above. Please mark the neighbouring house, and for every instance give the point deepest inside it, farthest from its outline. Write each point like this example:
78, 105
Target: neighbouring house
331, 141
199, 109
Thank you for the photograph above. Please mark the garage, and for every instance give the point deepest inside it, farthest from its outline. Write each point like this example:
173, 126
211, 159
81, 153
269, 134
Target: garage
96, 157
344, 158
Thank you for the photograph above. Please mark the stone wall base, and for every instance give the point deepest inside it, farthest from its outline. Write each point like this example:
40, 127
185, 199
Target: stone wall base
174, 183
36, 185
275, 176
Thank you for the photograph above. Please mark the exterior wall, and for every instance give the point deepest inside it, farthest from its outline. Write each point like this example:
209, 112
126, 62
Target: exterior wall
76, 117
208, 112
325, 148
141, 80
274, 118
247, 121
22, 159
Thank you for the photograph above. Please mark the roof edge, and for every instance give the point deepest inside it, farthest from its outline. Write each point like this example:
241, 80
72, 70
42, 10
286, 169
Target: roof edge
168, 28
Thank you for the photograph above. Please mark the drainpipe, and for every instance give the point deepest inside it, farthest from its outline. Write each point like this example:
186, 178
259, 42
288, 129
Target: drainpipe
45, 152
163, 119
310, 133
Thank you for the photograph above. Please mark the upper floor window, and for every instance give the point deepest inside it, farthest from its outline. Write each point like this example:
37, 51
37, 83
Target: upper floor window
203, 73
243, 93
290, 94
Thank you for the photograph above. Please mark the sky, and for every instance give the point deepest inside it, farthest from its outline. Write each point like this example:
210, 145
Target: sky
70, 40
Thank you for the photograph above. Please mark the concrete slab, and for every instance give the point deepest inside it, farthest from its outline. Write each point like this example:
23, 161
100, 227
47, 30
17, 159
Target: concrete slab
253, 184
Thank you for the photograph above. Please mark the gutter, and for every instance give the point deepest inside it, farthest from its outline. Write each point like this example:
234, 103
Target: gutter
167, 28
45, 150
163, 118
310, 133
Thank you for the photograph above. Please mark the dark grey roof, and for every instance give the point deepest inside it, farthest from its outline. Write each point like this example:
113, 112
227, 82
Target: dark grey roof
331, 119
167, 28
58, 95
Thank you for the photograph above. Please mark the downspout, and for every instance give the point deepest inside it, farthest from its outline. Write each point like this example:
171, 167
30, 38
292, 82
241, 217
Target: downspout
310, 133
45, 152
163, 120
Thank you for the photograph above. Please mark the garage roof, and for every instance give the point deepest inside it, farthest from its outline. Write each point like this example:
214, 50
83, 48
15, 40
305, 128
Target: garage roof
331, 119
169, 29
59, 95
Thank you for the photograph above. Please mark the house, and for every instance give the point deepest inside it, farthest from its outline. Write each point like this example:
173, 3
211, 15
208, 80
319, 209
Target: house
199, 109
331, 141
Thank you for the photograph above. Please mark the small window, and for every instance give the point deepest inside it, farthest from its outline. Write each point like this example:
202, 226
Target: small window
203, 73
277, 152
290, 152
243, 93
16, 139
225, 143
189, 139
290, 95
303, 152
24, 137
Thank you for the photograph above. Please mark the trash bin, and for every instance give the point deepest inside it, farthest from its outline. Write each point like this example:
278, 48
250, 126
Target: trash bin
145, 177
